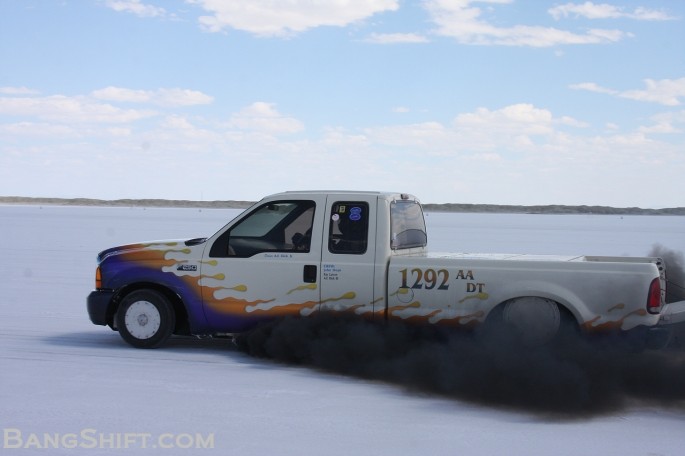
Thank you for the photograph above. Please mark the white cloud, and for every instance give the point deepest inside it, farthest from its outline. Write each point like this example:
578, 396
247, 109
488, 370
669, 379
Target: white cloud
521, 147
283, 18
17, 91
60, 108
98, 109
592, 87
460, 20
667, 92
38, 130
522, 118
429, 137
338, 137
396, 38
177, 123
660, 128
264, 117
491, 150
482, 132
666, 123
122, 95
136, 7
160, 97
591, 10
179, 128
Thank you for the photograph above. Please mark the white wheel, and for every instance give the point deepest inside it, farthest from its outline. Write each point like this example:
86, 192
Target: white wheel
142, 319
536, 320
145, 318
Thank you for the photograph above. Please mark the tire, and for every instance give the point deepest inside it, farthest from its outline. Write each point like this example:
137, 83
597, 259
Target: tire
535, 320
145, 318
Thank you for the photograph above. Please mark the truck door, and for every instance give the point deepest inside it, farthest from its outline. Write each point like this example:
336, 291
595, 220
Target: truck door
348, 254
265, 265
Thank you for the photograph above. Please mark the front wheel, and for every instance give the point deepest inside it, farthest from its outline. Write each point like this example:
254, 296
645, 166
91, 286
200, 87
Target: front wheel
145, 318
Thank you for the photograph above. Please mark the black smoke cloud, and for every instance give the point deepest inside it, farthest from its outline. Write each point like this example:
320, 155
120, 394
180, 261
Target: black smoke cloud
573, 378
675, 272
675, 285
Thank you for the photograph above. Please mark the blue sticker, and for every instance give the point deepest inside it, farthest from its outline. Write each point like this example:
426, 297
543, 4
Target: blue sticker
355, 217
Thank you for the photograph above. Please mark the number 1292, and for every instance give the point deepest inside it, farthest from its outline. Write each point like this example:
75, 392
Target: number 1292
430, 278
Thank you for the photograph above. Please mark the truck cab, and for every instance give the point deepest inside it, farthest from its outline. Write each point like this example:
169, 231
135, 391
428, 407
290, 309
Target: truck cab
297, 253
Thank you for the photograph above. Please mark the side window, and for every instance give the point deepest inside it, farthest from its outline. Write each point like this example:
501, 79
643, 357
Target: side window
349, 228
300, 231
407, 225
279, 226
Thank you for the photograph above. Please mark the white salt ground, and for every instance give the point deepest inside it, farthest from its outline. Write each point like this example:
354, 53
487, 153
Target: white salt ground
69, 387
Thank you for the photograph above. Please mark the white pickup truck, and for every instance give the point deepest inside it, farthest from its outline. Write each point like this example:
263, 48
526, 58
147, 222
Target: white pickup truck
298, 253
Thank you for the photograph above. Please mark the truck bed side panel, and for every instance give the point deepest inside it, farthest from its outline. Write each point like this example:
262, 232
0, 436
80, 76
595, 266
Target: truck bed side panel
462, 291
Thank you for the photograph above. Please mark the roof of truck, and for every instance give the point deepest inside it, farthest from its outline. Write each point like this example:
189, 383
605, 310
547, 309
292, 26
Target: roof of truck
342, 191
351, 192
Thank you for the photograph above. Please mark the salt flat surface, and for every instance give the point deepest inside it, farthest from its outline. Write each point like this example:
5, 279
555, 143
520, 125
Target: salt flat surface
59, 374
627, 235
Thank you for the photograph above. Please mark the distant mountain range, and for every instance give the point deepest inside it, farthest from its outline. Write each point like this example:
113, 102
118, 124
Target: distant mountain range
447, 207
551, 209
124, 202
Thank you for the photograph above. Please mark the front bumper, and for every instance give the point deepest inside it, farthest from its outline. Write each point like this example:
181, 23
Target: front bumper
98, 306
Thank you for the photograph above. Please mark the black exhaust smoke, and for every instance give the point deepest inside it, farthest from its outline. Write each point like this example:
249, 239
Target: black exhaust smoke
573, 378
675, 272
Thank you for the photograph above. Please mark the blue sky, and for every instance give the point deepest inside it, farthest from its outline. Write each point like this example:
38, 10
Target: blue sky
498, 101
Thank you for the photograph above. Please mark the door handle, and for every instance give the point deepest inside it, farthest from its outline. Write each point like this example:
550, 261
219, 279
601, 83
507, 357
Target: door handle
310, 273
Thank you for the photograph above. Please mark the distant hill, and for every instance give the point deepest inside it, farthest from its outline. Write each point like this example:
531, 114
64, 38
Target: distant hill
551, 209
124, 202
448, 207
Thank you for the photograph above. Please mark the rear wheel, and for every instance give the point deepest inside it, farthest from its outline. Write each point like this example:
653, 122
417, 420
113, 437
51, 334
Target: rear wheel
535, 320
145, 318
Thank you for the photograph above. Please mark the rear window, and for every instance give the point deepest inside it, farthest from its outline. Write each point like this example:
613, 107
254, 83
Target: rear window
407, 225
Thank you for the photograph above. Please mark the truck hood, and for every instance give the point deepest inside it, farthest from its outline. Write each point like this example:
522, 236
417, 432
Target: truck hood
148, 246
